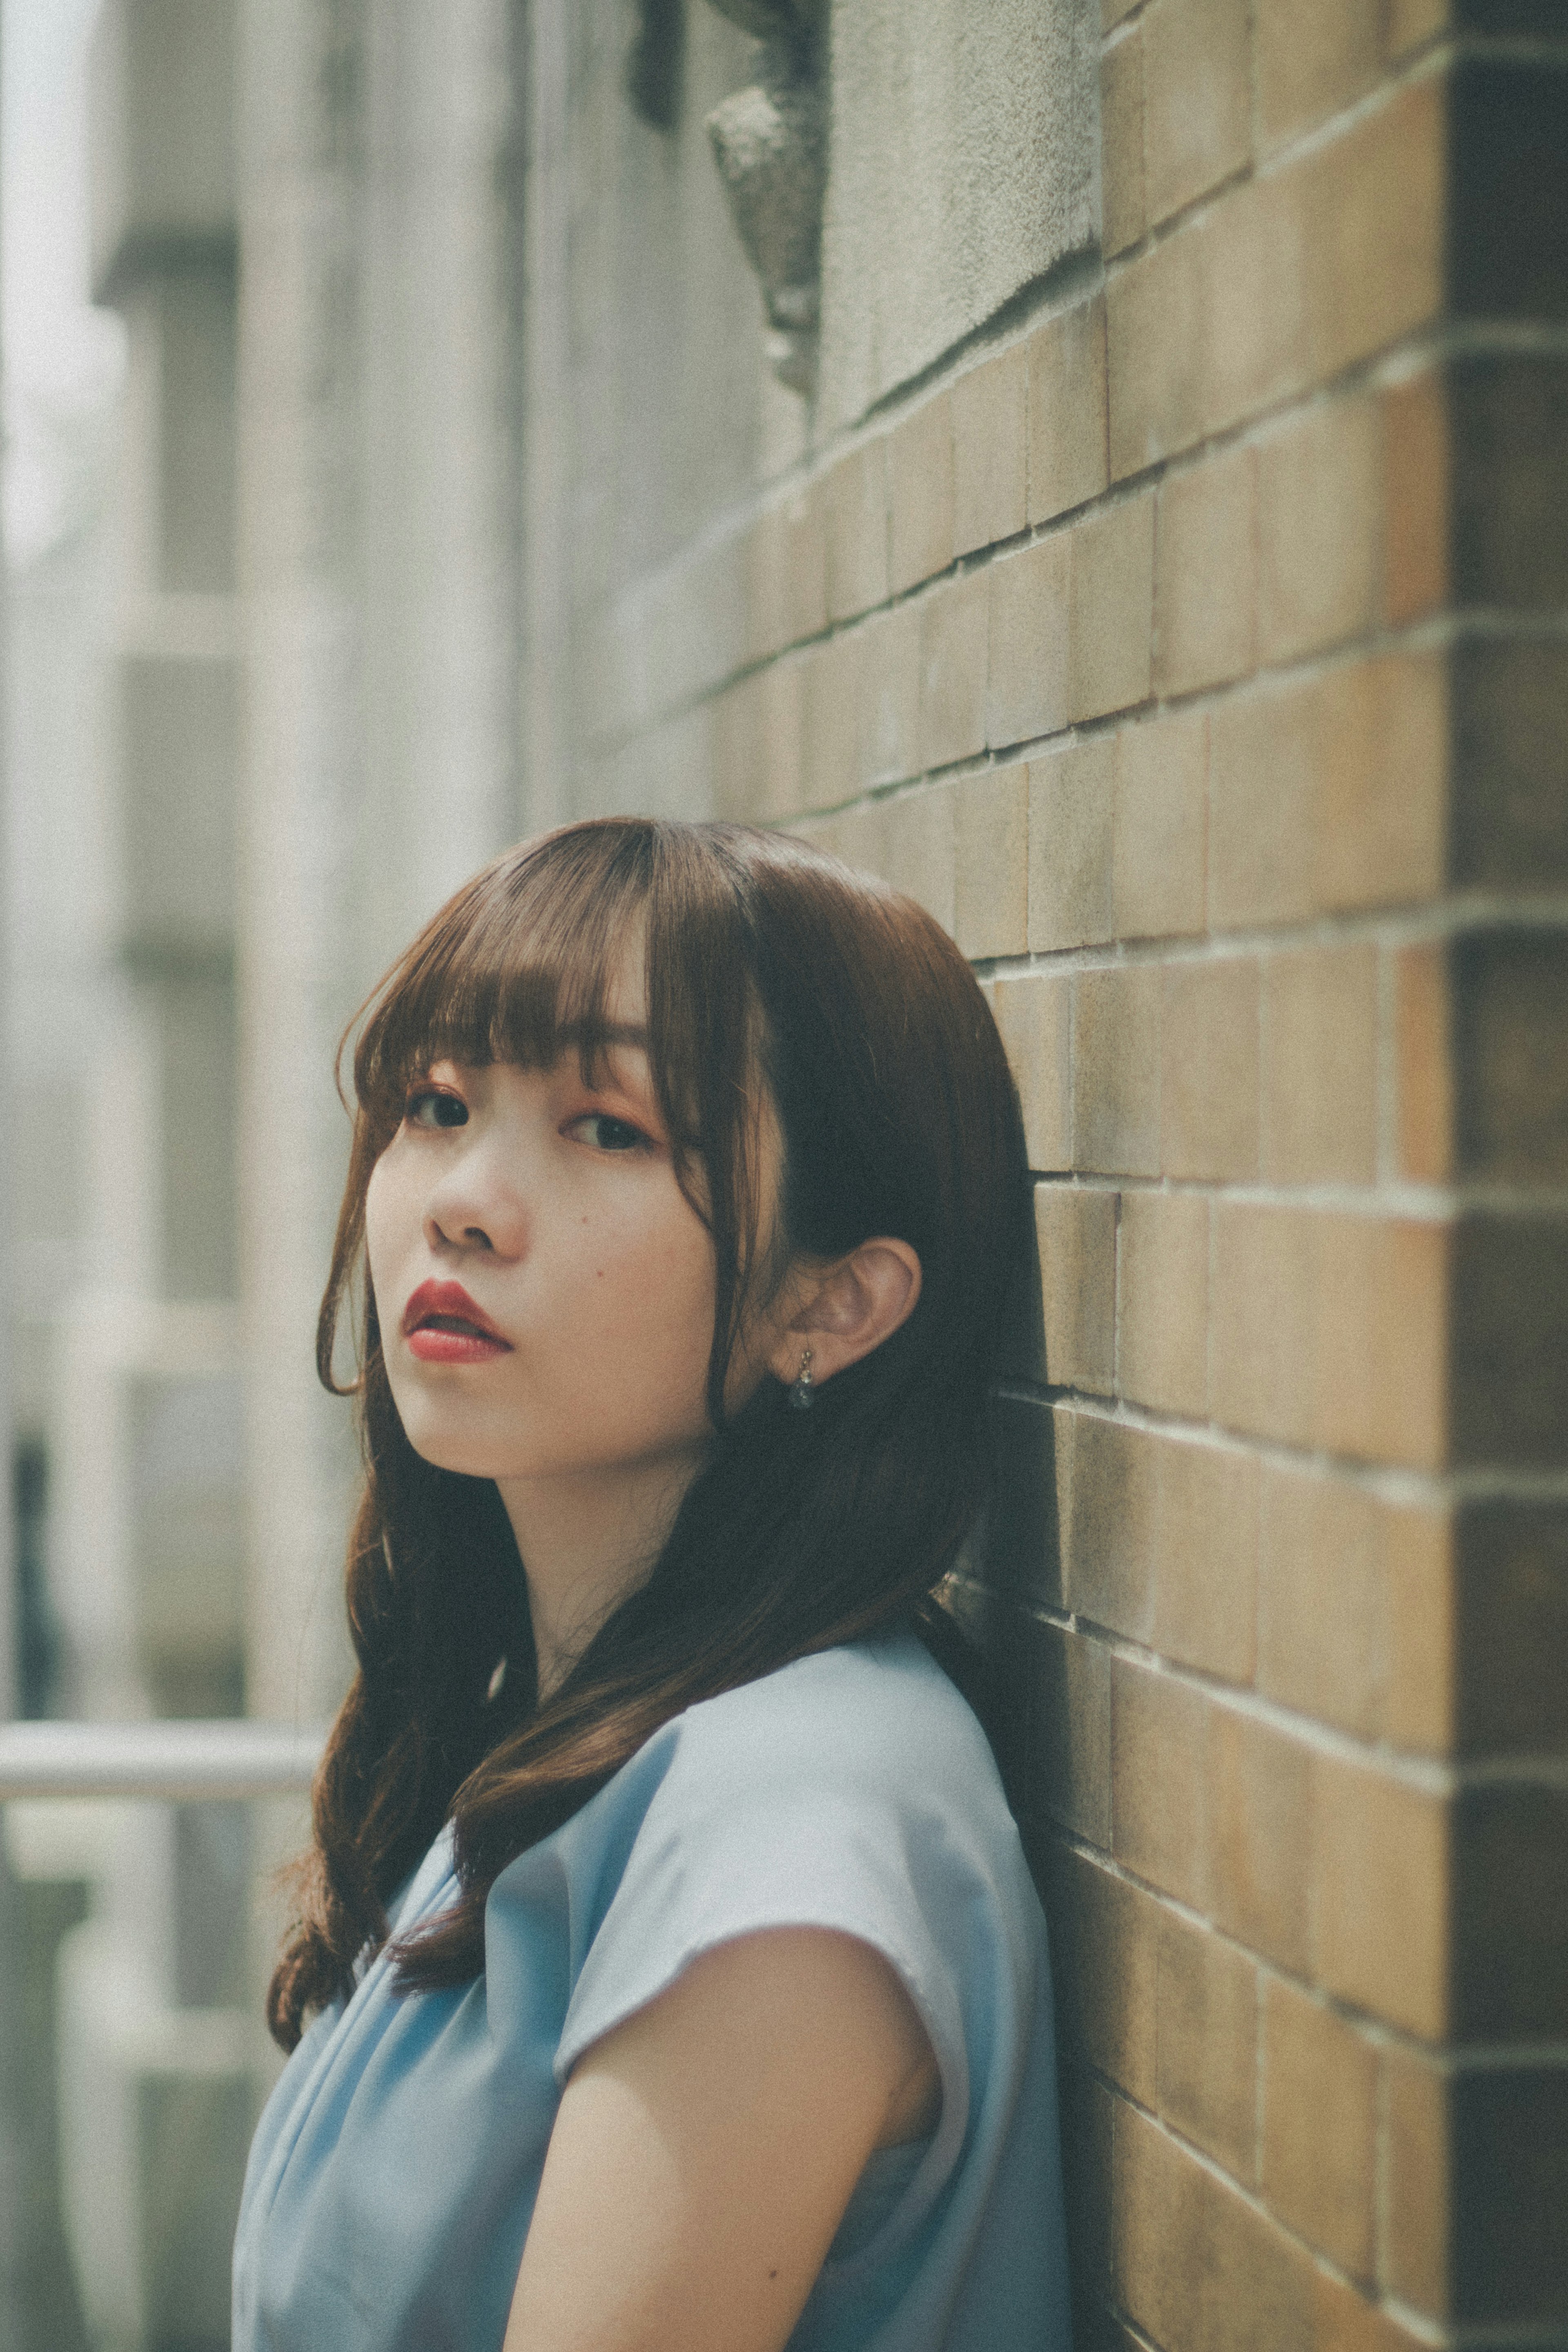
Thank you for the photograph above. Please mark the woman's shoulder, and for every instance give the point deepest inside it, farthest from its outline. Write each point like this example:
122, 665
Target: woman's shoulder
876, 1721
852, 1789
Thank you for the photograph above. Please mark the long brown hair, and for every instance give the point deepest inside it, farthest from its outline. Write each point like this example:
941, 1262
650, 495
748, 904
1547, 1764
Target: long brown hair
768, 967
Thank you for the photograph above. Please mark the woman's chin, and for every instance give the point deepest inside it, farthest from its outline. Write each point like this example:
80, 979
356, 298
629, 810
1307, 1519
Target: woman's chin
446, 1448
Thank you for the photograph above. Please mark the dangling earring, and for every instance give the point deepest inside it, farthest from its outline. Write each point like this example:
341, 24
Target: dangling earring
802, 1395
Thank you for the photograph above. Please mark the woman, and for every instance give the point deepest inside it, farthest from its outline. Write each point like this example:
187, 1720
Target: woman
677, 1980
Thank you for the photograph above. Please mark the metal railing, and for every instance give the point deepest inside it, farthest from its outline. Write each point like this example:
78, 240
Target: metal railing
184, 1762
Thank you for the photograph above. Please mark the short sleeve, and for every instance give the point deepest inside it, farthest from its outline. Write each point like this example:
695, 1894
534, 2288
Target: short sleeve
852, 1791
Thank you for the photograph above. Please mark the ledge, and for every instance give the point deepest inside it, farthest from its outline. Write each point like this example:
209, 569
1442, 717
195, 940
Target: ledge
178, 1762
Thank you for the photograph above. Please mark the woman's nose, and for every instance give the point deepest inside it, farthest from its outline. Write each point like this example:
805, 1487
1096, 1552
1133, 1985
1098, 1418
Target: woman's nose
474, 1207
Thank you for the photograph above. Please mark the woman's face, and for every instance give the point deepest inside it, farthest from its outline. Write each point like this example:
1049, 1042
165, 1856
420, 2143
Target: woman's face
545, 1290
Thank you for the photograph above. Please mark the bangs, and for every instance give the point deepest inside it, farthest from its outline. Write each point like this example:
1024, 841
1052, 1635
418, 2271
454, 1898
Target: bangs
521, 966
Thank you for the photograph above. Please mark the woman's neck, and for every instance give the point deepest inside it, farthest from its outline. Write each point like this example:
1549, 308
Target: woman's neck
586, 1541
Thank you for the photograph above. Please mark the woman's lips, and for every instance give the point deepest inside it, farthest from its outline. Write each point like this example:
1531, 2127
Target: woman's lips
444, 1325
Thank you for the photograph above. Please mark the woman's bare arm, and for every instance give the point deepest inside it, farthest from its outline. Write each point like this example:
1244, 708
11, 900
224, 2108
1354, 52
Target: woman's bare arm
704, 2151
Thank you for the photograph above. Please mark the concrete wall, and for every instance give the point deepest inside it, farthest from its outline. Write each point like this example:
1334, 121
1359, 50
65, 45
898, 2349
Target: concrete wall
962, 172
1172, 599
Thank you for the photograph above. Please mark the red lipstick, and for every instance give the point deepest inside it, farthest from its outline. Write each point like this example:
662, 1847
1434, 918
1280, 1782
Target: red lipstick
443, 1325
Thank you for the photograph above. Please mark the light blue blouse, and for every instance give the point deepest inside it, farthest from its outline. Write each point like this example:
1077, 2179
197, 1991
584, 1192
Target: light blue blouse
394, 2169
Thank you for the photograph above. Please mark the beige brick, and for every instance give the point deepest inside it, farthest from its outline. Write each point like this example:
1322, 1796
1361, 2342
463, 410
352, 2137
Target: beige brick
1206, 574
1159, 1781
1160, 2206
890, 696
1416, 2263
1319, 2099
855, 505
921, 849
1154, 312
1343, 2321
1381, 1342
952, 620
1381, 1895
1163, 1288
830, 719
1417, 473
1158, 2214
1330, 1330
1108, 1533
1030, 618
1260, 1819
804, 524
1424, 1648
1256, 347
860, 839
1323, 1642
1311, 62
1034, 1017
990, 896
1117, 1071
1067, 410
1160, 825
990, 442
1206, 2044
1320, 1065
780, 734
1376, 197
1193, 2264
1209, 327
1112, 601
1208, 1078
1423, 1062
1329, 792
920, 495
1075, 1230
1258, 2286
1408, 24
1320, 498
1207, 1558
1127, 217
1106, 1949
1071, 804
765, 564
1069, 1722
1371, 847
1198, 98
738, 751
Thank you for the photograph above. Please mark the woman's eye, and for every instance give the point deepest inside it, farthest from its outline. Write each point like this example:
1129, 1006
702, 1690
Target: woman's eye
606, 1134
429, 1107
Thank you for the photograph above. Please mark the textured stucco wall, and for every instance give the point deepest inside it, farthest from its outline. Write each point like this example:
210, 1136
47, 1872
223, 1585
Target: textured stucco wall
962, 169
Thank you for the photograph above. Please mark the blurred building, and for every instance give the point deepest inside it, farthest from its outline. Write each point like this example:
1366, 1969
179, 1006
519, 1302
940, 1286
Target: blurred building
1103, 469
123, 771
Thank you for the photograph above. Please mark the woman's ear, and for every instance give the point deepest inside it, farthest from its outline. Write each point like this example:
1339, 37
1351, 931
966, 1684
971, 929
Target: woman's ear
845, 1311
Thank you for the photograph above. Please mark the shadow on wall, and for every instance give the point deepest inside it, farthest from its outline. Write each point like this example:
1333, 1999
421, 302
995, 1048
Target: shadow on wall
1048, 1707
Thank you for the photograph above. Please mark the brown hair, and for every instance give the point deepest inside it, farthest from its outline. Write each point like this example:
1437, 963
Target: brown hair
769, 966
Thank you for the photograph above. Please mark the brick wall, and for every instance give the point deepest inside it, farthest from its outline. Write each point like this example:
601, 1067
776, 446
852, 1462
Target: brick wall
1195, 646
